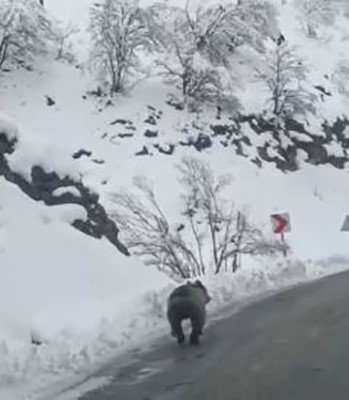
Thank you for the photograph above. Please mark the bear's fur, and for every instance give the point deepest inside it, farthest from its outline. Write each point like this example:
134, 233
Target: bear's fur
188, 302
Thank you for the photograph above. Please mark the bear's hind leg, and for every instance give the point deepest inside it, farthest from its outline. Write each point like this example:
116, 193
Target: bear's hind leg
196, 327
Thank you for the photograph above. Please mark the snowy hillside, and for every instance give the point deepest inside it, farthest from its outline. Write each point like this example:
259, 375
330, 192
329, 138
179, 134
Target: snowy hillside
64, 278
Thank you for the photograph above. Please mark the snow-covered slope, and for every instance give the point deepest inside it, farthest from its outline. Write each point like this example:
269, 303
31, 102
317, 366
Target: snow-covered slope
78, 295
83, 297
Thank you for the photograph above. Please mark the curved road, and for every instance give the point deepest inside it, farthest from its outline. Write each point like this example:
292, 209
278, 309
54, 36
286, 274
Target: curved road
292, 346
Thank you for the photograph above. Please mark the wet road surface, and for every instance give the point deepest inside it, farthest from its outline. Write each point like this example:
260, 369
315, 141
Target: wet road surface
292, 346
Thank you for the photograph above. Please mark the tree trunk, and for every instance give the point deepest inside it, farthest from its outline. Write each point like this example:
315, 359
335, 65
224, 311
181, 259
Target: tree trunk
3, 51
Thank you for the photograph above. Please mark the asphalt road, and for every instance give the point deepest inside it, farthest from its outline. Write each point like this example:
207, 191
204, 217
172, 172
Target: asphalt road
292, 346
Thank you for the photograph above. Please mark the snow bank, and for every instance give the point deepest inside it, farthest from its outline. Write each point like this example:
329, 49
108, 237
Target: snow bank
63, 287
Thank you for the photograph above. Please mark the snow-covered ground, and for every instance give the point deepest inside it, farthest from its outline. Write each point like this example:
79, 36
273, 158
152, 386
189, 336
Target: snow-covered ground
85, 300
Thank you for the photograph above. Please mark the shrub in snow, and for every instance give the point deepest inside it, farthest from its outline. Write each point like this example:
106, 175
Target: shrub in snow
24, 31
210, 237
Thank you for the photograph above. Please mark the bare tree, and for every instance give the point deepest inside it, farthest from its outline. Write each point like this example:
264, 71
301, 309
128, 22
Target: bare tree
148, 233
176, 49
214, 220
210, 236
119, 32
205, 207
196, 44
285, 73
219, 29
62, 35
315, 13
25, 31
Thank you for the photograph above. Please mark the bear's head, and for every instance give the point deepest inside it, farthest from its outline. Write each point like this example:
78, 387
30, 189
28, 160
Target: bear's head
201, 286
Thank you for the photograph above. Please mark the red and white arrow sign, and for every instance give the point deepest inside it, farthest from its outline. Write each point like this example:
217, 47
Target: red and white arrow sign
281, 223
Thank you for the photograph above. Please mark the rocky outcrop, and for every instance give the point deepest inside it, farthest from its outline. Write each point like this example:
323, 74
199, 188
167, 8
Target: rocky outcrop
42, 187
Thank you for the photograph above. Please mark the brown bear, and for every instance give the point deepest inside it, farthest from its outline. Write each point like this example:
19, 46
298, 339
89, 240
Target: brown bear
188, 302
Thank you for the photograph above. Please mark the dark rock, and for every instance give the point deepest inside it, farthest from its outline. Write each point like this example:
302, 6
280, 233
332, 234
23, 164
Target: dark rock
202, 142
151, 120
336, 130
98, 161
7, 146
120, 121
143, 152
180, 227
219, 113
36, 340
49, 101
97, 92
338, 162
239, 148
78, 154
220, 130
280, 40
169, 151
293, 125
323, 90
125, 135
150, 134
257, 161
186, 144
287, 160
177, 104
246, 140
260, 125
317, 154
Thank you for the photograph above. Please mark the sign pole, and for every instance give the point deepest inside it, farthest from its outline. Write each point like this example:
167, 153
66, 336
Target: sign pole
284, 244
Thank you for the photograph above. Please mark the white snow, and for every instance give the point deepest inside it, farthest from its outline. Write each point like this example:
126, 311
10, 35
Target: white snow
64, 285
334, 149
301, 137
68, 213
67, 190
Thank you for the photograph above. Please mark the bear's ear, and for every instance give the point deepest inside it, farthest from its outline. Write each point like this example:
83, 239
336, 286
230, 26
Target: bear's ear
199, 284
